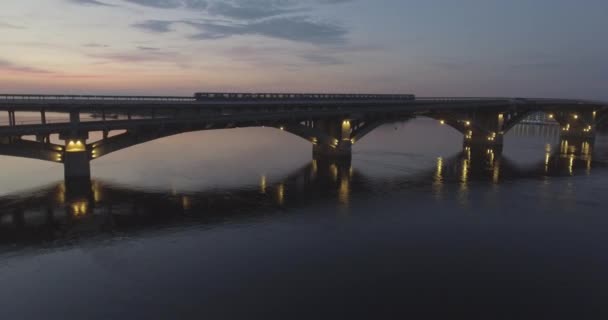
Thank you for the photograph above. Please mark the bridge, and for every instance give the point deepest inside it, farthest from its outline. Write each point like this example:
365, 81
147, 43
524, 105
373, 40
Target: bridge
332, 123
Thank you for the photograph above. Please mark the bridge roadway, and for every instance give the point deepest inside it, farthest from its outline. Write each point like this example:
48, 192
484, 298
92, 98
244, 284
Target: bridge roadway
332, 123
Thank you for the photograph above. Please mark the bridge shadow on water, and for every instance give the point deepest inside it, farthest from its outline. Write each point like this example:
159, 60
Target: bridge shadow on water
77, 210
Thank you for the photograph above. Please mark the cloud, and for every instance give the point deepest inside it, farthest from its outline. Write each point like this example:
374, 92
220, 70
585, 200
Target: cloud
91, 3
297, 29
322, 59
148, 48
12, 67
172, 4
4, 25
248, 10
157, 26
138, 56
95, 45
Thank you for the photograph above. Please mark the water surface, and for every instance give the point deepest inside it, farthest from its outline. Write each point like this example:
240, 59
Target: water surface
244, 224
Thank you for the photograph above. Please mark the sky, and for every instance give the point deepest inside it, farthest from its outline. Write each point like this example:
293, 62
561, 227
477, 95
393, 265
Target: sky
515, 48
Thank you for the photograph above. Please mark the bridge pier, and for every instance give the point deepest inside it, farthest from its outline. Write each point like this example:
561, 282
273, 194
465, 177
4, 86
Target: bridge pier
481, 130
576, 126
483, 140
338, 145
11, 118
76, 158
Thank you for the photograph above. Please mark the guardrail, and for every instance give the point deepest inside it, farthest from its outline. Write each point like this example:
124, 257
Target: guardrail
91, 97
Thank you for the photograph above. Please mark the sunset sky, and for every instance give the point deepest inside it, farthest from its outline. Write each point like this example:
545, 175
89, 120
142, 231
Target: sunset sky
539, 48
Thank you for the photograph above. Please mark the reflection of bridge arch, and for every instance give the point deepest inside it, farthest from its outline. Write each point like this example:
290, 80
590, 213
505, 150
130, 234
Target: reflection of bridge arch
62, 207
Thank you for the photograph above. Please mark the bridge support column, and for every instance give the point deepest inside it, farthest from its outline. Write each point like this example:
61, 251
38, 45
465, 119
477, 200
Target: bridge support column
481, 130
339, 145
576, 126
483, 140
76, 158
11, 119
76, 165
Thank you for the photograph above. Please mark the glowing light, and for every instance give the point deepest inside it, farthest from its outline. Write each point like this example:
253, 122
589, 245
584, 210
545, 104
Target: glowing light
442, 122
334, 171
551, 116
496, 172
263, 184
79, 208
439, 172
282, 128
467, 123
281, 194
75, 146
186, 203
575, 116
344, 191
465, 171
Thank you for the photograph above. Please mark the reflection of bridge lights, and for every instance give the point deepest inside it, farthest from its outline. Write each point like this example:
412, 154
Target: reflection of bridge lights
496, 172
281, 194
586, 148
491, 156
186, 203
79, 208
439, 171
61, 193
96, 191
334, 171
571, 165
344, 191
263, 184
465, 171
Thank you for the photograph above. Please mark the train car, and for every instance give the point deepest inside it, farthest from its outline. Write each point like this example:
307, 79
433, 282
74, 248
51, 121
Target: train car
206, 96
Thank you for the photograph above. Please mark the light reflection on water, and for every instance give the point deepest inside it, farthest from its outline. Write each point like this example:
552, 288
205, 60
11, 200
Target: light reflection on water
203, 209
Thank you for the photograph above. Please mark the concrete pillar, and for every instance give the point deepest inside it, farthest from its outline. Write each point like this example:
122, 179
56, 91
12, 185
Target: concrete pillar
340, 144
483, 140
484, 130
75, 117
42, 116
11, 118
76, 165
76, 157
341, 150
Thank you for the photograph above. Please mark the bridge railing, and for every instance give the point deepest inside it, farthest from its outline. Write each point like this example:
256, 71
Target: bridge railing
52, 97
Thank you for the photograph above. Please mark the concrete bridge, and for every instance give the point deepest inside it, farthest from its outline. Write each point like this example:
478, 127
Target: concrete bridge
331, 122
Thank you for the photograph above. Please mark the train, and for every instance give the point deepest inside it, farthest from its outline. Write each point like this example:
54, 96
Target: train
204, 96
